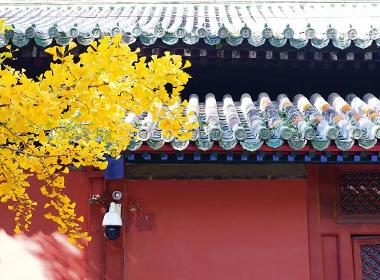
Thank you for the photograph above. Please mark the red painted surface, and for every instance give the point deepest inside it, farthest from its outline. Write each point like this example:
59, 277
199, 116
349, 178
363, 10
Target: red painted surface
96, 250
313, 207
357, 243
331, 262
114, 257
335, 238
236, 229
220, 230
43, 253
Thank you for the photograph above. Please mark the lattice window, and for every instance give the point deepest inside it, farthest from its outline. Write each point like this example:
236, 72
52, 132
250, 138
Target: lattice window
360, 193
370, 261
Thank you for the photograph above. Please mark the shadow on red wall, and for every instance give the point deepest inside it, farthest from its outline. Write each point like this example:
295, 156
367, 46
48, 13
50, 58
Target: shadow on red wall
40, 256
43, 253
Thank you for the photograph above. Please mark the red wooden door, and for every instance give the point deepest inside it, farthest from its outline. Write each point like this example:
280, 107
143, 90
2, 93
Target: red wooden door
346, 211
367, 257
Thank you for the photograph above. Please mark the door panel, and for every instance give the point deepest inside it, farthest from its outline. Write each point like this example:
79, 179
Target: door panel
331, 262
367, 257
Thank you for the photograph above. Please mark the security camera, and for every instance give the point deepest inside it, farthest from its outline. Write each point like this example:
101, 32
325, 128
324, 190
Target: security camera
117, 195
112, 221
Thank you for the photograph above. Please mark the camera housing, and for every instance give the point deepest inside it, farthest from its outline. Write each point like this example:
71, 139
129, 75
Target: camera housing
112, 222
117, 195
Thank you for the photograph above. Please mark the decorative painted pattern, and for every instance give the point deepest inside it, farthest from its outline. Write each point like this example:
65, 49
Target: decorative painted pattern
298, 122
370, 261
360, 193
297, 24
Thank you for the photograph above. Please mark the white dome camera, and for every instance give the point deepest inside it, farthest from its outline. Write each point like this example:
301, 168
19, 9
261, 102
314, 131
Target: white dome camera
112, 221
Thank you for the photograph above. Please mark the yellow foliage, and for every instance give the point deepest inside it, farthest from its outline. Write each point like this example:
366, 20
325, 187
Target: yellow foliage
74, 114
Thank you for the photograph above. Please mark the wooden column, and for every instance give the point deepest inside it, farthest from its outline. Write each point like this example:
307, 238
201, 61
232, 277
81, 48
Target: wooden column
114, 249
95, 260
313, 217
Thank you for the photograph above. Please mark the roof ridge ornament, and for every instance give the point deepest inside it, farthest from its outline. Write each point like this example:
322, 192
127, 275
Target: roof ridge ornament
180, 32
159, 30
116, 29
53, 31
223, 32
352, 33
267, 32
74, 31
245, 31
96, 31
331, 33
288, 32
30, 32
373, 33
137, 30
309, 32
9, 33
202, 31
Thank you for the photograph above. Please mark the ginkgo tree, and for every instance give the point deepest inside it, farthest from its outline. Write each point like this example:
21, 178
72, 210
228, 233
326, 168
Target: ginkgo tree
75, 114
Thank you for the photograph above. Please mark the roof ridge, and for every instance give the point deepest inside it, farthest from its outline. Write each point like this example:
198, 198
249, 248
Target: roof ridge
223, 2
299, 25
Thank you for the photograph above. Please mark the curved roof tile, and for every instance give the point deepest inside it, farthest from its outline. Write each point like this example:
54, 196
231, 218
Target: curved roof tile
256, 120
296, 23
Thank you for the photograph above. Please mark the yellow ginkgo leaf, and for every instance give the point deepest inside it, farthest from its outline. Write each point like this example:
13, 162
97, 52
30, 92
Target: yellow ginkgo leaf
77, 112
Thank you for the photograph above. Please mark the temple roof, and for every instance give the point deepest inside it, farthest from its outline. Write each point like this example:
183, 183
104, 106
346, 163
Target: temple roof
255, 122
299, 23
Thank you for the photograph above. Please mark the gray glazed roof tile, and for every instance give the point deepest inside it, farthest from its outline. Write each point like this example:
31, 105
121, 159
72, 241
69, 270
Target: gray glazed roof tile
255, 120
342, 23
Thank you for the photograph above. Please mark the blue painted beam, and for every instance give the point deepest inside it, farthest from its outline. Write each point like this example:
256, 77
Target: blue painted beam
214, 156
229, 156
146, 156
260, 156
244, 156
164, 156
180, 156
323, 158
197, 156
115, 168
290, 158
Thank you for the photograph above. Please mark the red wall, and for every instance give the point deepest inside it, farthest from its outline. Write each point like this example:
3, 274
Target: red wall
43, 253
236, 229
203, 230
220, 230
